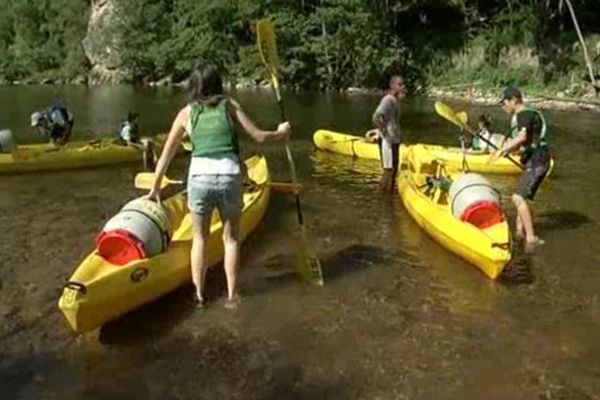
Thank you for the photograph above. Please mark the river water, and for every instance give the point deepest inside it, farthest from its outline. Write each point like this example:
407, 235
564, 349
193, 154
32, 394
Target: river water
399, 318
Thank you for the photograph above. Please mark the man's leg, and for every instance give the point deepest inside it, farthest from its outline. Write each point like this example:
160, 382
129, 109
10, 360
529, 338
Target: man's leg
387, 162
524, 215
396, 163
519, 234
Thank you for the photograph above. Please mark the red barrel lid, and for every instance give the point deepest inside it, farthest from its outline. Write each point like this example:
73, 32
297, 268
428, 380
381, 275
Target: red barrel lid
119, 247
483, 214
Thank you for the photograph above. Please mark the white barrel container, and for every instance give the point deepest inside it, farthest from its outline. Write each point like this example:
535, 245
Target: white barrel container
468, 190
147, 221
7, 142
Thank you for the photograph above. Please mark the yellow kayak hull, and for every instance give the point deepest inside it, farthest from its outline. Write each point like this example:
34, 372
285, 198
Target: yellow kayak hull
357, 146
453, 158
349, 145
488, 249
45, 157
98, 291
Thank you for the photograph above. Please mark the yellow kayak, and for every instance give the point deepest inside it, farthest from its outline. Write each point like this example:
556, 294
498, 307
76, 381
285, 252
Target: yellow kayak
489, 249
349, 145
453, 158
99, 291
45, 157
357, 146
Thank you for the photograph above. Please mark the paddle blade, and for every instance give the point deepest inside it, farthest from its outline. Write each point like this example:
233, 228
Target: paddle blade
463, 117
267, 47
285, 187
308, 264
145, 180
445, 111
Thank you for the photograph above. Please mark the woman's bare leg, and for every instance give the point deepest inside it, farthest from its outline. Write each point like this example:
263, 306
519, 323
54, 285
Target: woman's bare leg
199, 262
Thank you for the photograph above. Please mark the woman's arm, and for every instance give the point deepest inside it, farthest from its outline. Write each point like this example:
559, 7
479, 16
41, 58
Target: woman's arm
171, 146
244, 123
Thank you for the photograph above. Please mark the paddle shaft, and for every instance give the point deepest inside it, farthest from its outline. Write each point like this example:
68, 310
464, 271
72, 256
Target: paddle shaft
288, 153
512, 160
448, 113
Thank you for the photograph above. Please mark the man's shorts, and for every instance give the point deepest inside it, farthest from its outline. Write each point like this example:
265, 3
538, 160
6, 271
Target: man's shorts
389, 154
205, 192
536, 170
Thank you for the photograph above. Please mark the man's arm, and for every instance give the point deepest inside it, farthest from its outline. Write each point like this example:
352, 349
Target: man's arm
524, 123
513, 144
379, 119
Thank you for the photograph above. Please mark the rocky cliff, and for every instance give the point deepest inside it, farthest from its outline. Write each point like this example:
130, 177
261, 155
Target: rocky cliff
100, 46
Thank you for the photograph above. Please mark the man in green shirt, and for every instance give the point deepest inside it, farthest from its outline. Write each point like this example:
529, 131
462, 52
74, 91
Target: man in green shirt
529, 135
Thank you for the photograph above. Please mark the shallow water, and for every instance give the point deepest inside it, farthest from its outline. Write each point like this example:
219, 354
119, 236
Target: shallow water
399, 318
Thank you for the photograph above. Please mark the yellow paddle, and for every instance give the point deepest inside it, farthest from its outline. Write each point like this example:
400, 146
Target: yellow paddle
144, 180
445, 111
308, 264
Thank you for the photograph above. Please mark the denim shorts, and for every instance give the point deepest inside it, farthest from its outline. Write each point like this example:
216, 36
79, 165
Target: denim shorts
205, 192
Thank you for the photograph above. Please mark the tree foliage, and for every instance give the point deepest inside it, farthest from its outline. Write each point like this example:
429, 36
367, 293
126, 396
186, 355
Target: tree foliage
323, 43
42, 37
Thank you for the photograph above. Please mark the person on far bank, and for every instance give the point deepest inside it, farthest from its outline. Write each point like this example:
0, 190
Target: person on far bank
129, 135
129, 129
212, 121
529, 135
386, 119
56, 123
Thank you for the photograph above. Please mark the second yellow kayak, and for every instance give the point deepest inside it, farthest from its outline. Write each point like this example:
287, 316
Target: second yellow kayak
452, 157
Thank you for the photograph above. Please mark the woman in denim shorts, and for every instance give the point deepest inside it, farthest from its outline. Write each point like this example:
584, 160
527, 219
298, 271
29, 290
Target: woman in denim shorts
212, 122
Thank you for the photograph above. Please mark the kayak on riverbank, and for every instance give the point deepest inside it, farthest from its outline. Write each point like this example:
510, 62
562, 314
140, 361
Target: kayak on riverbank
82, 154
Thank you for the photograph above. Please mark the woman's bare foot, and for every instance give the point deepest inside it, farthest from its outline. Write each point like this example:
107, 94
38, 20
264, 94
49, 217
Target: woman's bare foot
200, 302
533, 243
232, 303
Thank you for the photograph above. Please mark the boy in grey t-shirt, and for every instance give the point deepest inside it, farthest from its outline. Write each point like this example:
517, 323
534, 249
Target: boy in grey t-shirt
386, 118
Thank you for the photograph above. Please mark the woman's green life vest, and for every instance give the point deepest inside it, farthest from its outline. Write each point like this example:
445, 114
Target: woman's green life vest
211, 131
542, 143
